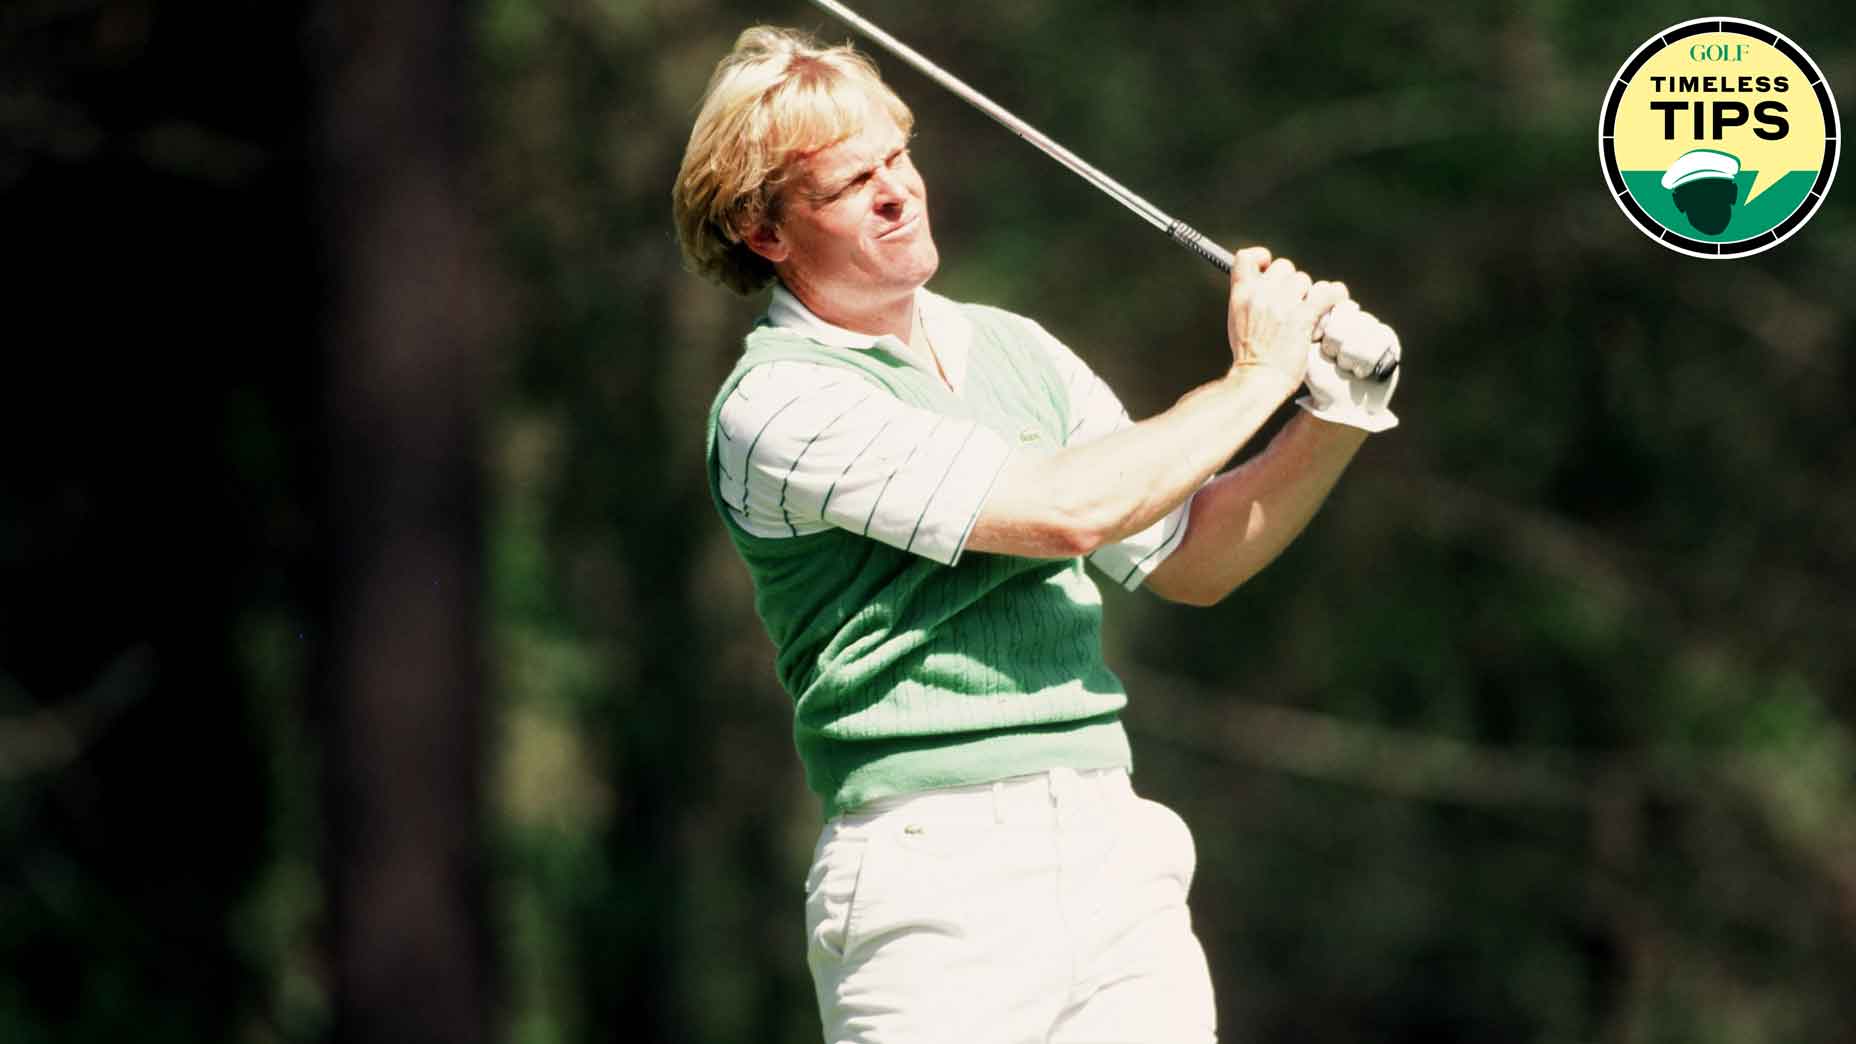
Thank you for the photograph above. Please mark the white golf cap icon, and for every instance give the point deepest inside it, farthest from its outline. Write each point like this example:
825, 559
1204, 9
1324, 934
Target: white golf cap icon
1697, 164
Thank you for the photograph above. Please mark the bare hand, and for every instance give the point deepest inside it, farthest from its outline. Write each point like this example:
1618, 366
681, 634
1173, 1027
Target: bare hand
1273, 311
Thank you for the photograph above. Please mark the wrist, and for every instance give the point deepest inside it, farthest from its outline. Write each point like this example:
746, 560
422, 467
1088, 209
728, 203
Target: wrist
1257, 375
1330, 428
1342, 417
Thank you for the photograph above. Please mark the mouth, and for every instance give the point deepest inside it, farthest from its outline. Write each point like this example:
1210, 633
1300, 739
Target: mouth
906, 226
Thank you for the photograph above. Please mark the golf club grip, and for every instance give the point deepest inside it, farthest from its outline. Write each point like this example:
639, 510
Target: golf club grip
1185, 235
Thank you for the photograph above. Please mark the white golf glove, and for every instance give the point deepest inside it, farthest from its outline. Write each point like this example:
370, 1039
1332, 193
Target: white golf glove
1355, 340
1340, 389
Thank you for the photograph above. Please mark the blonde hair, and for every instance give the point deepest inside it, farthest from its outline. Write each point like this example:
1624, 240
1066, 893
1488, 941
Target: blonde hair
776, 97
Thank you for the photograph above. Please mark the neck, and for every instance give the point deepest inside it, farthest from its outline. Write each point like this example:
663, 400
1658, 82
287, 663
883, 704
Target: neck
895, 317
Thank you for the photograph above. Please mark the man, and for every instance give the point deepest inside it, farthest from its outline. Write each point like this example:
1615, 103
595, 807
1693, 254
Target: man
915, 486
1704, 185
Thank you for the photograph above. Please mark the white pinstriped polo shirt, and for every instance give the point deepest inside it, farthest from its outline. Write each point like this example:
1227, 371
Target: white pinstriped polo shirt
803, 447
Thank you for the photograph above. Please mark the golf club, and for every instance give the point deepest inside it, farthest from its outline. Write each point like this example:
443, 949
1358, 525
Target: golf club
1178, 231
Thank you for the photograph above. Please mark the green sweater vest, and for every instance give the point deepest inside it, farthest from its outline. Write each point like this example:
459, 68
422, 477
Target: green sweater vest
909, 675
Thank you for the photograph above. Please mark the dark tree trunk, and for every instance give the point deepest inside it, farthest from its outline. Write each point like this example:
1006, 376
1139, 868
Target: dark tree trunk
406, 334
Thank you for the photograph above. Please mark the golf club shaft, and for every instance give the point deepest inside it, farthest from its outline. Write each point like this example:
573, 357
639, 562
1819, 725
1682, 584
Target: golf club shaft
1178, 231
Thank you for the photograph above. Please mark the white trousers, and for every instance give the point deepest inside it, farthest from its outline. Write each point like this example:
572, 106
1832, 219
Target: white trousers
1047, 909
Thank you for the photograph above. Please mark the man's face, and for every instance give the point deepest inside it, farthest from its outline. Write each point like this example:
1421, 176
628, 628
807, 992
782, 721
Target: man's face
1708, 203
854, 234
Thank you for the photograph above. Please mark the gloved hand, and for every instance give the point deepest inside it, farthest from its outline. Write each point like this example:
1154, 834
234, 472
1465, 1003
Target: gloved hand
1355, 340
1351, 340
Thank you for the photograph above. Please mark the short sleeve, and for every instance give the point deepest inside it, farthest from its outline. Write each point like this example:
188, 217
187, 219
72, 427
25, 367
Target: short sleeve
1095, 409
802, 447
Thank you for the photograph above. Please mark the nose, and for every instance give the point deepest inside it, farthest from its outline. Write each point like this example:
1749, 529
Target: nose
892, 190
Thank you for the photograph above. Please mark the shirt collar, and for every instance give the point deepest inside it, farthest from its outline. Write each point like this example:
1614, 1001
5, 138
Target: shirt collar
947, 328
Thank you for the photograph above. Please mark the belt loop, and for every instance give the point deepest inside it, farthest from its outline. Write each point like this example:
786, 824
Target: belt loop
1063, 783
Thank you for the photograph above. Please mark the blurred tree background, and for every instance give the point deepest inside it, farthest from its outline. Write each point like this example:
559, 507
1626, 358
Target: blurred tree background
1542, 732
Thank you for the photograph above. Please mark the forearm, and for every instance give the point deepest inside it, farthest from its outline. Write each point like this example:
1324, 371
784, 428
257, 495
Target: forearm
1243, 519
1070, 502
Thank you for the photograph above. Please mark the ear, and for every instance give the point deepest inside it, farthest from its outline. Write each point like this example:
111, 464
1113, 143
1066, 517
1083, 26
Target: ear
765, 239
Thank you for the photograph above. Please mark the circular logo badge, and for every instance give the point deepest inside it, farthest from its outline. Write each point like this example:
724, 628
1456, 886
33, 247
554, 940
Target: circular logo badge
1719, 137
